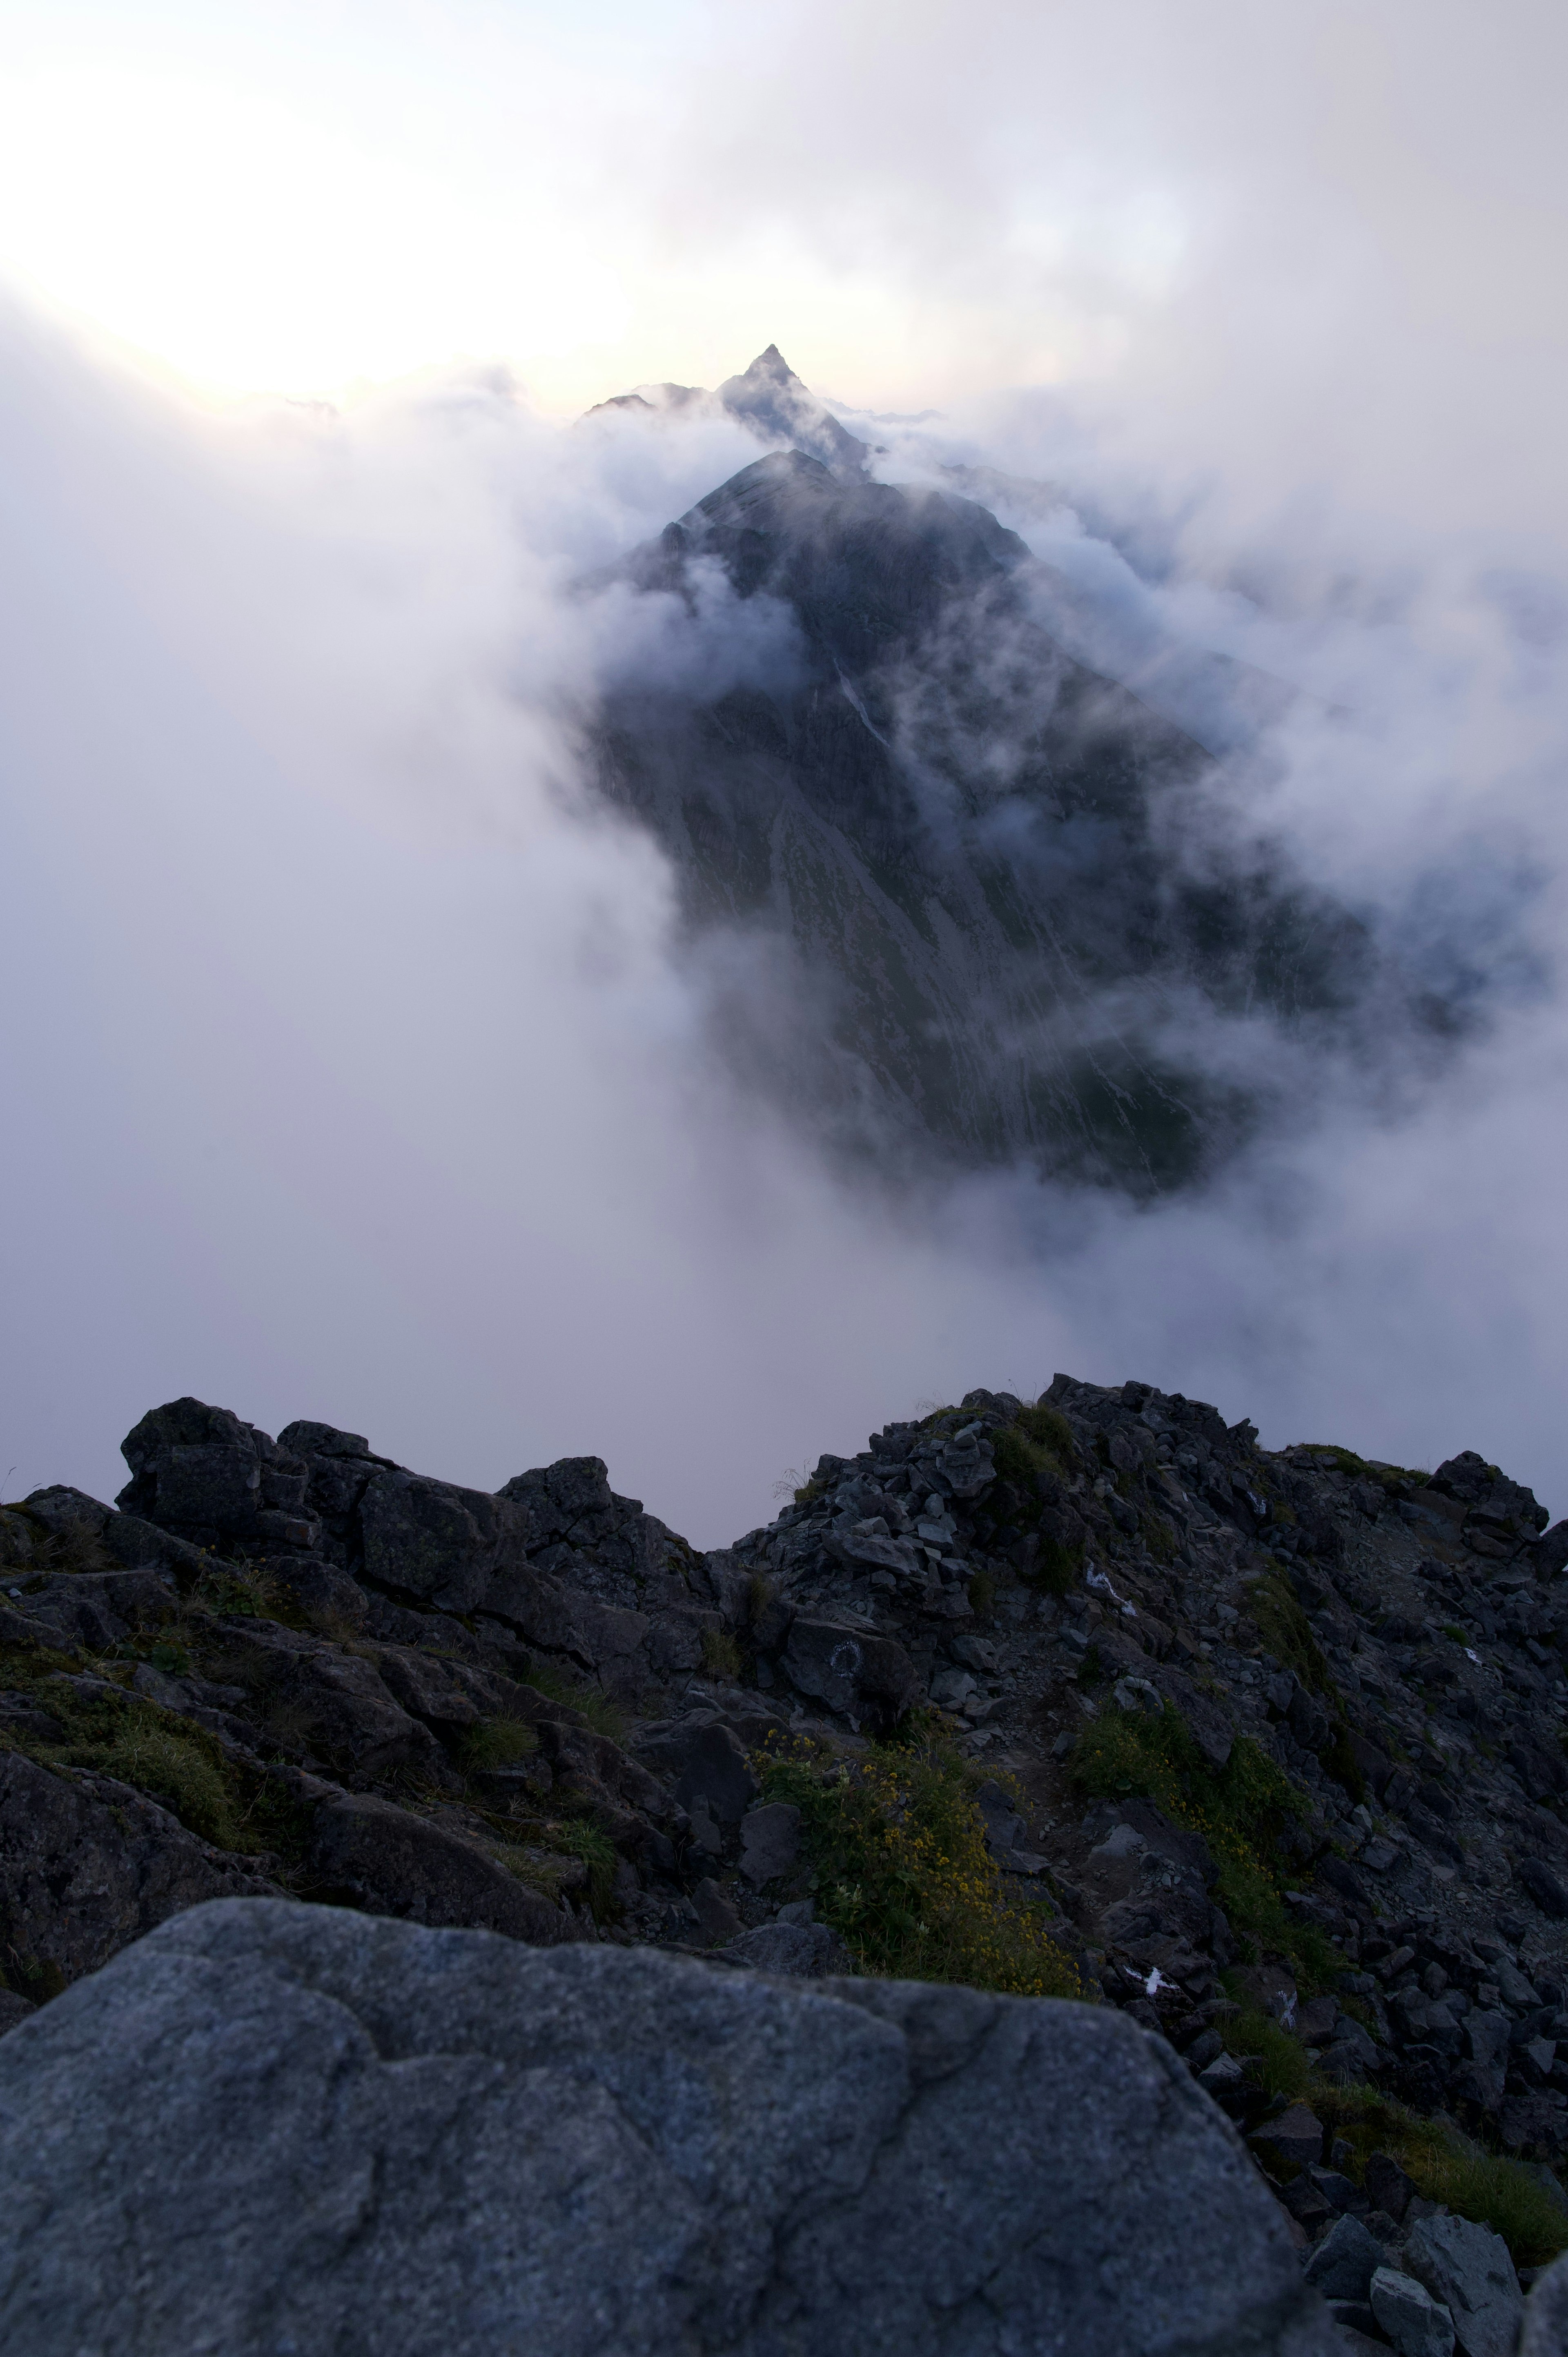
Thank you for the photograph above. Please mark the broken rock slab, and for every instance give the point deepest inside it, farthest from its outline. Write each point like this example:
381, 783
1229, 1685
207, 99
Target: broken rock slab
271, 2126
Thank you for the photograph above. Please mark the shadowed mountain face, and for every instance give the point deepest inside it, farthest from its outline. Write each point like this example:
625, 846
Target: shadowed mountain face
960, 897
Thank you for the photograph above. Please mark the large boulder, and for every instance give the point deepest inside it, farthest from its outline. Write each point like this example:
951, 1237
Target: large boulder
275, 2127
370, 1854
199, 1472
870, 1680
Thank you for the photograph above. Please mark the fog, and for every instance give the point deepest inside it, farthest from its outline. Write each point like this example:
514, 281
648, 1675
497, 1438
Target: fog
350, 1065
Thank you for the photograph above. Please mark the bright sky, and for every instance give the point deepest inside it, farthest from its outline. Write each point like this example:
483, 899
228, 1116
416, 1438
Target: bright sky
1334, 230
300, 194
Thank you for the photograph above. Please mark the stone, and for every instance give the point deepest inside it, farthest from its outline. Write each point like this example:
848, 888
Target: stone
1295, 2138
96, 1609
87, 1864
1004, 1826
1547, 1889
331, 1703
369, 1853
869, 1680
274, 2126
711, 1766
770, 1841
1205, 1722
13, 2009
716, 1919
1416, 2323
1467, 2268
1388, 2187
800, 1951
1344, 2263
1546, 2332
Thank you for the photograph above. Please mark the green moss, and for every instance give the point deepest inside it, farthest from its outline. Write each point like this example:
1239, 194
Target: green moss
1281, 2064
1363, 1469
900, 1870
721, 1654
1283, 1626
1240, 1810
161, 1753
1445, 2167
1049, 1430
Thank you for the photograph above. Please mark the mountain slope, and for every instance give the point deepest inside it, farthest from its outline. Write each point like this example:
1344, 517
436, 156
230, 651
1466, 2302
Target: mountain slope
957, 894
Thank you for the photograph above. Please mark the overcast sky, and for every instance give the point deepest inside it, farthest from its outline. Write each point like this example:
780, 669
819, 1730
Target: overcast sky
345, 1075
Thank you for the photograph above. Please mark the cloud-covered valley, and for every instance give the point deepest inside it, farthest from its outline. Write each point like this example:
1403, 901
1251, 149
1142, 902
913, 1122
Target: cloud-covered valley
356, 1065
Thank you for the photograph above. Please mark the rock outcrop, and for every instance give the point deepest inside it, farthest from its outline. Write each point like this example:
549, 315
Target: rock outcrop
275, 2127
292, 1666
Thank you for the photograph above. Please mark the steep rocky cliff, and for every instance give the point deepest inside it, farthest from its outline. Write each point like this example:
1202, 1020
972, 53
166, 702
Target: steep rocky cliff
1262, 1748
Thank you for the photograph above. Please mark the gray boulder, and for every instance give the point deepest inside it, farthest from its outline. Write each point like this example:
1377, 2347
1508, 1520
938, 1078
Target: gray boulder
1467, 2268
869, 1679
273, 2127
1345, 2260
1545, 2330
1418, 2325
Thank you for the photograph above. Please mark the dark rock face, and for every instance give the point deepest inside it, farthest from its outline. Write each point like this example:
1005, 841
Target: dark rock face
973, 862
395, 1715
274, 2126
90, 1864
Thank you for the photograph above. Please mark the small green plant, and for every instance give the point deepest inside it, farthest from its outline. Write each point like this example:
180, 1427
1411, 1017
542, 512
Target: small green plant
172, 1659
1452, 1632
601, 1713
577, 1838
495, 1743
36, 1978
721, 1654
1282, 2064
1056, 1570
1159, 1538
1283, 1626
897, 1844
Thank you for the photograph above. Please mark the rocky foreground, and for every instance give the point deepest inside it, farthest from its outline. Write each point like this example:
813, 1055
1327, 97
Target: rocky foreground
1259, 1750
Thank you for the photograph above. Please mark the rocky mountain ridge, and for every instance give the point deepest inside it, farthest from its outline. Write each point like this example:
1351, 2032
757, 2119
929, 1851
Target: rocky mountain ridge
1265, 1747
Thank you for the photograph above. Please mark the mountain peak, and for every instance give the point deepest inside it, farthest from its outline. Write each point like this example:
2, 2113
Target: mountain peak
772, 403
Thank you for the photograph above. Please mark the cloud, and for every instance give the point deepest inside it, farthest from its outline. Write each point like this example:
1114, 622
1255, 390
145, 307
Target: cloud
351, 1070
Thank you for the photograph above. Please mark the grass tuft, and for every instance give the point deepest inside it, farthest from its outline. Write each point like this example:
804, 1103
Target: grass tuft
721, 1654
602, 1715
901, 1871
495, 1743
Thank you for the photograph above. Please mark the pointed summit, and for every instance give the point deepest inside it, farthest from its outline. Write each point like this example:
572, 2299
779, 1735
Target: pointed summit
771, 398
770, 401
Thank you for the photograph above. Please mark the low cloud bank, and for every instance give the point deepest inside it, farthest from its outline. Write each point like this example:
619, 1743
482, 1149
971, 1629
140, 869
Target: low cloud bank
352, 1069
